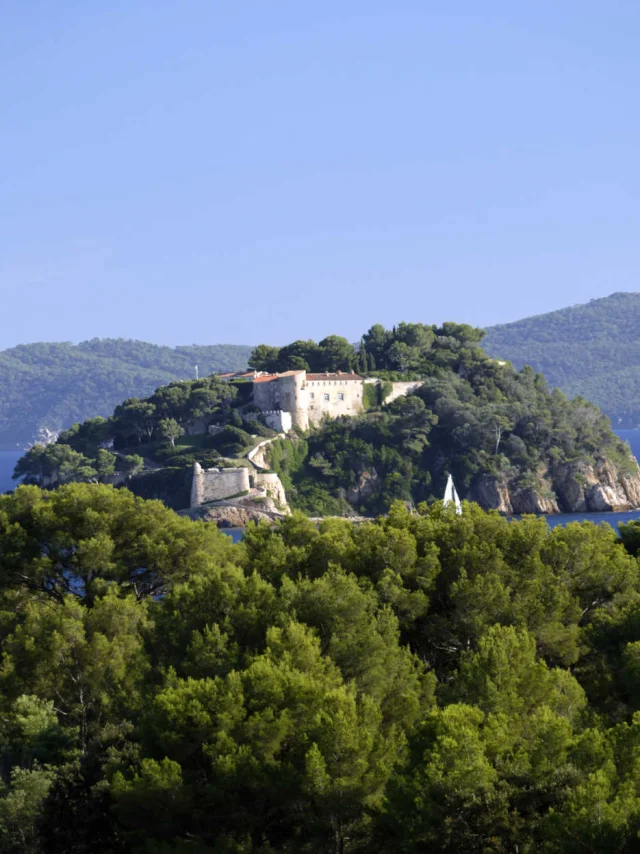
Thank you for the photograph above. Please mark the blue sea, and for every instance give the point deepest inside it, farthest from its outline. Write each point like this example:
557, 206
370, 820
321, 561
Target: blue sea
8, 459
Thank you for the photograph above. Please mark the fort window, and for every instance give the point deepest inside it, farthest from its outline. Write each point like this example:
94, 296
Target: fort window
340, 396
312, 395
326, 397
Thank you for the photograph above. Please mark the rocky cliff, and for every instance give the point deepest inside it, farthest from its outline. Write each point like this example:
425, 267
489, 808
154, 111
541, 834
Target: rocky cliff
230, 516
579, 487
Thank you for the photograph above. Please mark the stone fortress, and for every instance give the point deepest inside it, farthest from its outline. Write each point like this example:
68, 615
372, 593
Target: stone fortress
300, 399
239, 484
309, 397
293, 399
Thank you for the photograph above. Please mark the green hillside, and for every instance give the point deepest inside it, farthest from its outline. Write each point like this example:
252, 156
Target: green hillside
471, 417
591, 350
508, 441
53, 386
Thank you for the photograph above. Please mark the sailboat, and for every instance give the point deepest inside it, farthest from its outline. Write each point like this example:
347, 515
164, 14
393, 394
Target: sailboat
451, 496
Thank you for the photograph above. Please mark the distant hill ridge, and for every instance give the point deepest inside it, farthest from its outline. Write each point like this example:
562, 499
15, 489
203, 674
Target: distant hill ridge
592, 350
49, 386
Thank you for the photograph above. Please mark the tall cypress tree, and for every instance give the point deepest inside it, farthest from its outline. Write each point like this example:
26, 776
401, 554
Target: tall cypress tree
362, 358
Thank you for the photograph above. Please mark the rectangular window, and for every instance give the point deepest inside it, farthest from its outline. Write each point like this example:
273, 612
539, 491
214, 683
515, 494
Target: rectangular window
326, 397
312, 395
340, 396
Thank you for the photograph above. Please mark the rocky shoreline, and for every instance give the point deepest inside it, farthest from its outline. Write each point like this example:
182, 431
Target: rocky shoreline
566, 488
579, 487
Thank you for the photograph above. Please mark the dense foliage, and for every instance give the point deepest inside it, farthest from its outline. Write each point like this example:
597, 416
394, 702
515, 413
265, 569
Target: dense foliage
114, 450
472, 417
54, 385
402, 351
427, 682
591, 350
331, 354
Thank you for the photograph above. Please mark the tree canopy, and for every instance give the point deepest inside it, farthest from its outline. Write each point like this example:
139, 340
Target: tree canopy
426, 681
472, 417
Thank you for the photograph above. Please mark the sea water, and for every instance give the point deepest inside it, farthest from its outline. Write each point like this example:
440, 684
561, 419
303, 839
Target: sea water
8, 460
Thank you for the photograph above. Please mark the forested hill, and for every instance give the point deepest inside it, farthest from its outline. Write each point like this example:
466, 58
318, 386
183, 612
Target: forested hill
53, 385
509, 442
591, 350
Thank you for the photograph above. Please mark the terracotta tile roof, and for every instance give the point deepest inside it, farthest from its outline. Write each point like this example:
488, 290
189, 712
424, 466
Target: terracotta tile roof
270, 377
267, 378
343, 377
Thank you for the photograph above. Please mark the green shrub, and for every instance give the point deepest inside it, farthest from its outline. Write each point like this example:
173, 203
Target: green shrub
231, 441
169, 485
370, 395
260, 429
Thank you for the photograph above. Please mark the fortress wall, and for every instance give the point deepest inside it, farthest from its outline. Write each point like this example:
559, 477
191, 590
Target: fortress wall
401, 389
333, 397
286, 393
196, 486
307, 400
217, 484
264, 395
278, 420
294, 399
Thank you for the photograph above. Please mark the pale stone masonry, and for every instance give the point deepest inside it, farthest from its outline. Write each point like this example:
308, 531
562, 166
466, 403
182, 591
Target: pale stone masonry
238, 484
300, 399
217, 484
309, 397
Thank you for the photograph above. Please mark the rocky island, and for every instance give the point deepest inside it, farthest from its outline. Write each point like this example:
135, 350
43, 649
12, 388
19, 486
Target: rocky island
332, 429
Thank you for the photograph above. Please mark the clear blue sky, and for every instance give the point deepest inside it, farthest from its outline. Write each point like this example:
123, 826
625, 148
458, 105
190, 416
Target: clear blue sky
205, 171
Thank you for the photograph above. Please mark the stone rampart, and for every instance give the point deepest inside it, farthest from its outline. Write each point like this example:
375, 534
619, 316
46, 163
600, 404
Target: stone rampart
402, 389
283, 392
217, 484
331, 396
278, 420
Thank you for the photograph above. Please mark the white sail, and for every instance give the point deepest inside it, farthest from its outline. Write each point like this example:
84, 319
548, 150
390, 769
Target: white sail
451, 496
457, 502
448, 493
